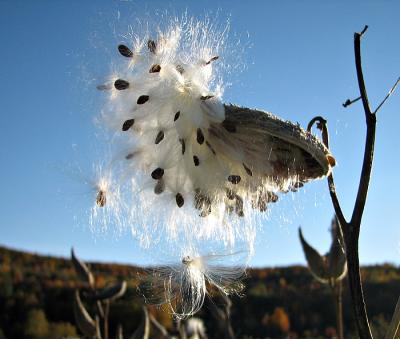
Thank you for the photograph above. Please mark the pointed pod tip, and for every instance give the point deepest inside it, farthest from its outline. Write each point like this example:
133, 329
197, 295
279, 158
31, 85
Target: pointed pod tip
331, 160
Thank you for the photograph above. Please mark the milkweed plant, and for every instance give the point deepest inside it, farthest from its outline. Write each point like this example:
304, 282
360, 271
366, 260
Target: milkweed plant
191, 169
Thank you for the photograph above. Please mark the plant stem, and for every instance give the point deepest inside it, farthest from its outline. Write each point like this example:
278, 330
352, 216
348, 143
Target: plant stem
351, 230
106, 313
337, 289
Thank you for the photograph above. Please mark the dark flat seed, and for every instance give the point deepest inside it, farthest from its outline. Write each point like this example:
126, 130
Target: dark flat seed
159, 137
142, 99
177, 114
248, 170
180, 69
120, 84
129, 156
229, 209
206, 97
262, 205
182, 141
239, 206
272, 197
155, 69
205, 212
212, 59
157, 173
200, 136
234, 179
104, 87
196, 160
128, 124
160, 187
152, 46
211, 148
229, 126
125, 51
101, 199
201, 201
230, 194
179, 200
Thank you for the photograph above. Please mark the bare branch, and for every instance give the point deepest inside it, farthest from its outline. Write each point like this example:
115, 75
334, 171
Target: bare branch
370, 119
349, 102
363, 31
322, 125
388, 95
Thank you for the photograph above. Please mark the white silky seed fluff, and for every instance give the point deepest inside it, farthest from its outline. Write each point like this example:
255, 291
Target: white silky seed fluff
218, 159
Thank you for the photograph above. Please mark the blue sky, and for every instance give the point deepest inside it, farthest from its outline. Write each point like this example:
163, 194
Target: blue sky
299, 63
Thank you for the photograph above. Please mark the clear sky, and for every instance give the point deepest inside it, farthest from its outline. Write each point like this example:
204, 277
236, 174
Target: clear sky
299, 63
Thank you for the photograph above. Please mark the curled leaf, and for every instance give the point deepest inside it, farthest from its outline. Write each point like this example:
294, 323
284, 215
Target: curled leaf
111, 293
85, 322
316, 262
82, 269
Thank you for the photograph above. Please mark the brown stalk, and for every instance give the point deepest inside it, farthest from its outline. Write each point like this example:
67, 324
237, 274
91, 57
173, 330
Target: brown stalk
351, 229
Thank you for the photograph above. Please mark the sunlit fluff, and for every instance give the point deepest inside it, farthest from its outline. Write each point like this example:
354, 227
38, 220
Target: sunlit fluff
185, 145
184, 286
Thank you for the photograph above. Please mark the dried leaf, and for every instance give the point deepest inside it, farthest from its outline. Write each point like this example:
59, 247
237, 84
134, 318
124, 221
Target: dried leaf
82, 269
143, 331
111, 293
316, 262
85, 322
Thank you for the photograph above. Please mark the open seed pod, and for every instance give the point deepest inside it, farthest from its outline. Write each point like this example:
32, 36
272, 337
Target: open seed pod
195, 148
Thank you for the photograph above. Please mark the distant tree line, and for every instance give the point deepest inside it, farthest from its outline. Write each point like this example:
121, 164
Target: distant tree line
36, 300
